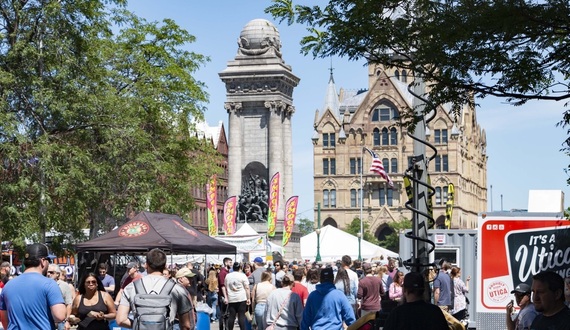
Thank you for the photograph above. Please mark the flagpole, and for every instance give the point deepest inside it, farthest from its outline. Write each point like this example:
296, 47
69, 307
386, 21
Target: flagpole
361, 202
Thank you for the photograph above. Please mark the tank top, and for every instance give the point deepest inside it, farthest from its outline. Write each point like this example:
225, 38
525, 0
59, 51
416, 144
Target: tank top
262, 292
83, 310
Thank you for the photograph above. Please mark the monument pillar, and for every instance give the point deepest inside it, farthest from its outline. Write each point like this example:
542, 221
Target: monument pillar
259, 102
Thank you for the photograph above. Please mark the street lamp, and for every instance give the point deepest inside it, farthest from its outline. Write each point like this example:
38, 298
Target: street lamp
318, 231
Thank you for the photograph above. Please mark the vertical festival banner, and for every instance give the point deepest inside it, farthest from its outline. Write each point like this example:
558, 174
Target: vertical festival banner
449, 206
212, 204
273, 205
230, 207
290, 214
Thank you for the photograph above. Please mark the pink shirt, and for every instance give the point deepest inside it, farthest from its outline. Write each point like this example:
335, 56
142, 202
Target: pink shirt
395, 291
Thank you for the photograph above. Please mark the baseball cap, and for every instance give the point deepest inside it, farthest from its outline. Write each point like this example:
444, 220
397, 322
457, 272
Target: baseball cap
413, 280
36, 251
132, 264
522, 288
184, 272
258, 260
327, 275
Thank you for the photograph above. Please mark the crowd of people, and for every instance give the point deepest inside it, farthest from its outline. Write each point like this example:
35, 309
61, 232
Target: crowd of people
278, 295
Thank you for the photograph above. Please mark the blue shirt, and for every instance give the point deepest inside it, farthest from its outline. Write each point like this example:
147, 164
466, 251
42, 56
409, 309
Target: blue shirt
28, 299
326, 309
107, 281
443, 282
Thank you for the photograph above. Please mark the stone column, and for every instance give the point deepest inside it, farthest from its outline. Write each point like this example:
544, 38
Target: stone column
276, 147
288, 153
235, 142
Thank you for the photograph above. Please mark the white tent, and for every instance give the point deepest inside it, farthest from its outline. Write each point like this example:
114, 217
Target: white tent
335, 243
249, 241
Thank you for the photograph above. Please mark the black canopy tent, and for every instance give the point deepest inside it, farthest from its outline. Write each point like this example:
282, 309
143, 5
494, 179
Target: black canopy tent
149, 230
144, 232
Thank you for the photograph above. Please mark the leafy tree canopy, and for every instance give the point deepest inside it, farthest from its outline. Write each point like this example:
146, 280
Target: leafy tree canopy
512, 49
305, 226
392, 241
354, 228
96, 117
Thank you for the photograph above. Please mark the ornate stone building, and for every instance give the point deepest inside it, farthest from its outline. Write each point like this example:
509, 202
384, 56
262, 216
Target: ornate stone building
351, 120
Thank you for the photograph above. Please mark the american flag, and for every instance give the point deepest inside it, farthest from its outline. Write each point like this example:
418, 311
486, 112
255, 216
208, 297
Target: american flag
378, 168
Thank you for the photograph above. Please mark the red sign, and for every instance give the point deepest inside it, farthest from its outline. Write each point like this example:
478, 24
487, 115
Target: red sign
512, 250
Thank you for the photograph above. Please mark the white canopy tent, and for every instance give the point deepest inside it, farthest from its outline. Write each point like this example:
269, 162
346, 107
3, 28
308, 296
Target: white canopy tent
335, 243
248, 241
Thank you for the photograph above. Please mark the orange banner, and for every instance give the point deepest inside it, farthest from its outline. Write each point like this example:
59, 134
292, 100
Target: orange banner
273, 205
290, 215
230, 215
212, 205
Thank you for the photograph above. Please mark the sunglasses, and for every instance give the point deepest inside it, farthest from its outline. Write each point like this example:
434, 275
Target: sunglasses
50, 272
90, 282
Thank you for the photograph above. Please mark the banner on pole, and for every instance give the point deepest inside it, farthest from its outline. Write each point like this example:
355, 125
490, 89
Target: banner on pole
273, 205
449, 206
212, 204
290, 215
230, 207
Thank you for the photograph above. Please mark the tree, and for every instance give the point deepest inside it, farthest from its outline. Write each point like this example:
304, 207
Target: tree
95, 124
305, 226
511, 49
354, 228
392, 241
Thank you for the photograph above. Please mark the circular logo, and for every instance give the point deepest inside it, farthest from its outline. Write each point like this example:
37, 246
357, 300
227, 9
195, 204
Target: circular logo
498, 291
134, 229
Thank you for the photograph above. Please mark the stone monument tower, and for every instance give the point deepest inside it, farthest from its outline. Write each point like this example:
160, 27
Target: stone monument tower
259, 101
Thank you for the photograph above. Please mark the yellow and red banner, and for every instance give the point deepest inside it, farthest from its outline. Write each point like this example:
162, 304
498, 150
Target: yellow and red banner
290, 215
273, 205
212, 204
230, 207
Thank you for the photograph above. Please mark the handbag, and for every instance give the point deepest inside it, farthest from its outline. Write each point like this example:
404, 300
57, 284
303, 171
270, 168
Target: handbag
248, 316
272, 326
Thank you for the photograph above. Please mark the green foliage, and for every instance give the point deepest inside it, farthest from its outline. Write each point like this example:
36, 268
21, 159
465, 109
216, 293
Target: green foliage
305, 226
95, 124
511, 49
354, 228
392, 241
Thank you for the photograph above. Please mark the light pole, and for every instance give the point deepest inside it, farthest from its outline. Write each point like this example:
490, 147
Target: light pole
359, 246
318, 231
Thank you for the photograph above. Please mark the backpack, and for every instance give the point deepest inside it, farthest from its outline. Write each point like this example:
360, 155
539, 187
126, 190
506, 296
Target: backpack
152, 309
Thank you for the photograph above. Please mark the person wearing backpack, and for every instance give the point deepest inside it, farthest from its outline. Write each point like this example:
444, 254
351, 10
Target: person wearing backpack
155, 301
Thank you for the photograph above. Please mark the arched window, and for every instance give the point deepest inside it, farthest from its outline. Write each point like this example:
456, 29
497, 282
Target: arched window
394, 165
386, 164
376, 137
332, 197
404, 76
397, 74
353, 199
437, 195
384, 136
393, 136
325, 198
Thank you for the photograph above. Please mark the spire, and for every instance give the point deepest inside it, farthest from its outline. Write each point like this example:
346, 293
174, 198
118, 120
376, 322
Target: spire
331, 97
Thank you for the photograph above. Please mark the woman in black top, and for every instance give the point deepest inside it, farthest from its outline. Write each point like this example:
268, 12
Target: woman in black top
93, 307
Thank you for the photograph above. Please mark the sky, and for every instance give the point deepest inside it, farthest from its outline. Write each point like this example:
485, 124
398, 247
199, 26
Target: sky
523, 143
